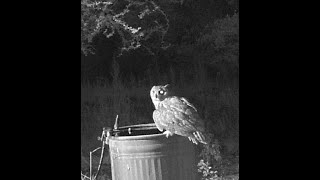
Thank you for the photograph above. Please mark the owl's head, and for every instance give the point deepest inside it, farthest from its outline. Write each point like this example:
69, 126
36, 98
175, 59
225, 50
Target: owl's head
159, 93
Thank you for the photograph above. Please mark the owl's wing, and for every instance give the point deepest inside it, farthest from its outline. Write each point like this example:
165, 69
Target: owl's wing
185, 101
186, 118
193, 114
186, 121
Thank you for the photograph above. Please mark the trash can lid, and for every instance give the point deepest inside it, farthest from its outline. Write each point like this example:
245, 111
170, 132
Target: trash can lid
134, 130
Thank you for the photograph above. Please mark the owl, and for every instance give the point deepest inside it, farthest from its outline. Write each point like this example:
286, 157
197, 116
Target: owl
176, 115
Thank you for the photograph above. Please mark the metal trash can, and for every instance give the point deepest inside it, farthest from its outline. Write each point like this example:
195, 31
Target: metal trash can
142, 152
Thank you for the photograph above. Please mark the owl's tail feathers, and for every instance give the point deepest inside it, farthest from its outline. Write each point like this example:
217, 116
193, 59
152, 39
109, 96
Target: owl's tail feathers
198, 136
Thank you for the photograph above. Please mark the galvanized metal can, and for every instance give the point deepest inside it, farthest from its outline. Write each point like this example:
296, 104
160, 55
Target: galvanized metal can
141, 152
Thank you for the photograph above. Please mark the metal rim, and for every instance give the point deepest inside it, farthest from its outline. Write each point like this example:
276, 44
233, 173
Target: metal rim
138, 127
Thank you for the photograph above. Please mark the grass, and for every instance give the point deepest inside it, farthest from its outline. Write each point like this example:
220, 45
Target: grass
217, 103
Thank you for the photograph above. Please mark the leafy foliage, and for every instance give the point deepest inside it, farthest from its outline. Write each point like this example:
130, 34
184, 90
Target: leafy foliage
207, 172
138, 23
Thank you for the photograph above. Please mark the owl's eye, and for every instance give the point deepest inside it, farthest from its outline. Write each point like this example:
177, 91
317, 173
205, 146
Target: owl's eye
161, 92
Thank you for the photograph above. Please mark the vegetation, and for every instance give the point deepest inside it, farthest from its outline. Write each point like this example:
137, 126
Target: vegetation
194, 46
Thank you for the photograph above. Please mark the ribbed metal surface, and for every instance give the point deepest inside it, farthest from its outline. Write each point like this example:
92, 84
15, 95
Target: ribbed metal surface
152, 157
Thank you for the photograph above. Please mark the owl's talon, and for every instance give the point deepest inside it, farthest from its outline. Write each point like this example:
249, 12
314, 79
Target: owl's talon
167, 133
